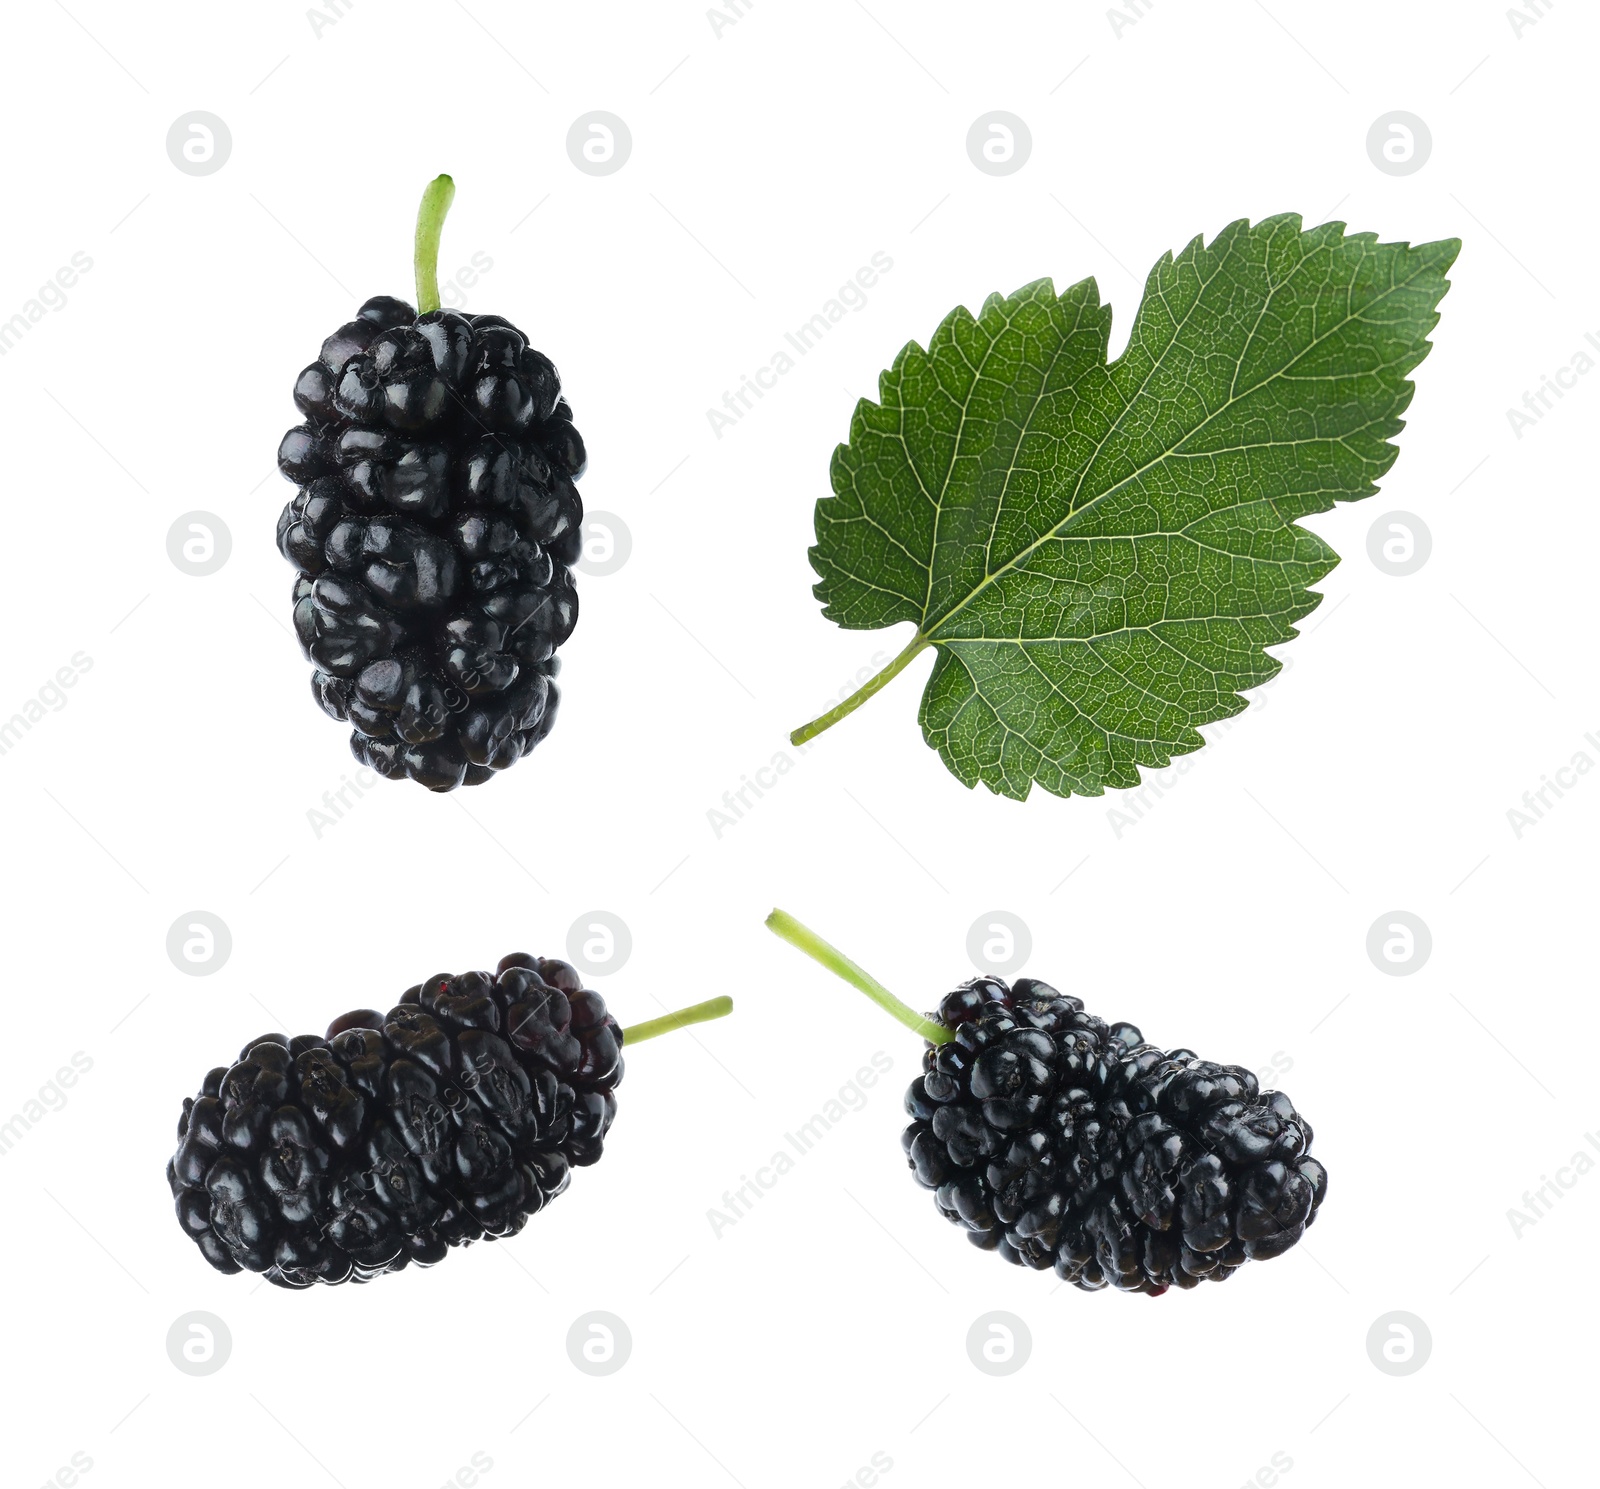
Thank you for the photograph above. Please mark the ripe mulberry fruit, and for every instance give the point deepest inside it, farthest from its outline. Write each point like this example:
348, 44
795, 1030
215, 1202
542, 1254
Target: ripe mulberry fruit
1063, 1142
433, 529
449, 1119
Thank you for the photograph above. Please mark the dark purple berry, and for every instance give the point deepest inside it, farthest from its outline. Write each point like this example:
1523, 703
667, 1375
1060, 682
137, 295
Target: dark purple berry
434, 529
1065, 1143
449, 1119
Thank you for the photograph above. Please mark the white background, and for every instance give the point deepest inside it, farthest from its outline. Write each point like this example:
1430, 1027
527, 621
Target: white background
768, 164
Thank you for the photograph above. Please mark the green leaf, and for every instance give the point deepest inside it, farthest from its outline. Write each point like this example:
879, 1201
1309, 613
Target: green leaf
1101, 554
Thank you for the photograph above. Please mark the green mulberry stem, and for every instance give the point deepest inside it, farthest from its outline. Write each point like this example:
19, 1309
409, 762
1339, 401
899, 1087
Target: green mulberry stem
696, 1013
917, 645
781, 923
436, 199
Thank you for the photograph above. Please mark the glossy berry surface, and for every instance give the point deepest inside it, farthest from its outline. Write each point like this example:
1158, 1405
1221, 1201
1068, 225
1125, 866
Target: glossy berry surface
434, 527
1063, 1142
449, 1119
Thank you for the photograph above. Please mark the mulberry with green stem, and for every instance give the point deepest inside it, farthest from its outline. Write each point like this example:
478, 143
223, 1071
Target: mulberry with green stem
1063, 1142
434, 527
452, 1118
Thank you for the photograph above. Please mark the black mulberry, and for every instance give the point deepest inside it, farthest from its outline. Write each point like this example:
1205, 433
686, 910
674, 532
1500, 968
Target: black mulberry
434, 528
1062, 1142
449, 1119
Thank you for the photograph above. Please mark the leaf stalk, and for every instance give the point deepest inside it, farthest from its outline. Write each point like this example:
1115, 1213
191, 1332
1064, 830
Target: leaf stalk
917, 645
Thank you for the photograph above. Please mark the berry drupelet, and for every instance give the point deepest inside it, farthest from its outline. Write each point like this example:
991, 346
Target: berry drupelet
1066, 1143
449, 1119
434, 527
